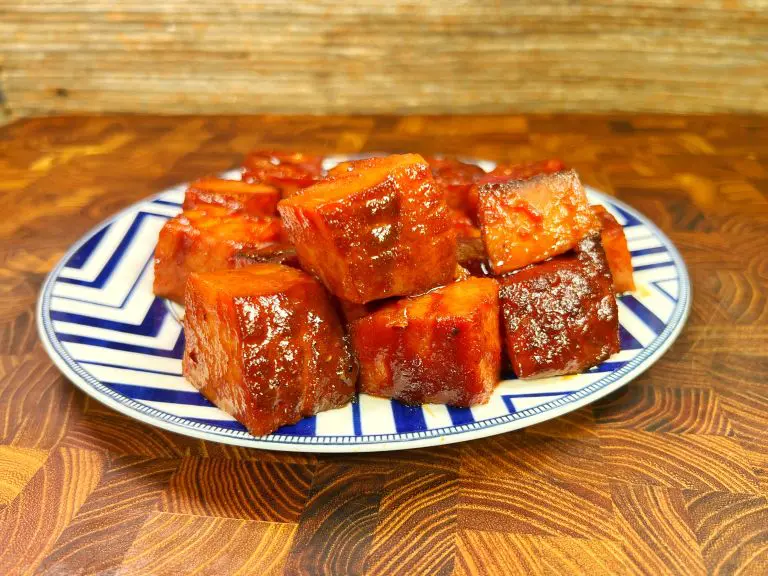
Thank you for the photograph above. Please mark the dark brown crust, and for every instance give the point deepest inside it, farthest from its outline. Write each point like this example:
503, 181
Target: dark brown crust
265, 345
560, 316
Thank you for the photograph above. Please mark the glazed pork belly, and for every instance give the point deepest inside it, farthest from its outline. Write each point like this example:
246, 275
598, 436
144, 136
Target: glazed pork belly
380, 230
441, 347
527, 221
288, 172
508, 172
264, 344
234, 195
616, 250
560, 316
205, 241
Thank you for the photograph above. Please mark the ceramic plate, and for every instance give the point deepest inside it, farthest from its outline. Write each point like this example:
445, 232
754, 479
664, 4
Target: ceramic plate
109, 334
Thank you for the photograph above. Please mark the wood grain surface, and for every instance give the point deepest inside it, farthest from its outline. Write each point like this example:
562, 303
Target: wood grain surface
383, 56
667, 476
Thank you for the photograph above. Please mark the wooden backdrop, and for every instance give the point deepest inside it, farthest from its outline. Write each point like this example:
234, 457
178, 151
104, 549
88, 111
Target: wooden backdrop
320, 56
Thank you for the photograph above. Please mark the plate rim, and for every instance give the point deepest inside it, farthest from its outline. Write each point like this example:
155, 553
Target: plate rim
377, 443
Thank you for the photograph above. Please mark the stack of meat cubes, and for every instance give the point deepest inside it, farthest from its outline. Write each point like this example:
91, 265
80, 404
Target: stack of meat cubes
393, 276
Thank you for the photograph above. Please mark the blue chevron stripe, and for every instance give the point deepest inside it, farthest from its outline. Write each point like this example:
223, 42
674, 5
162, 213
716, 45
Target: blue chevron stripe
408, 418
177, 352
150, 326
649, 318
460, 416
81, 255
159, 394
644, 251
116, 257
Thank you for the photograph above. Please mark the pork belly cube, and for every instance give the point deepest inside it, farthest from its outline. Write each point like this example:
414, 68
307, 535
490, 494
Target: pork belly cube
264, 344
455, 178
560, 316
616, 250
507, 172
381, 230
527, 221
234, 195
286, 171
441, 347
273, 253
206, 241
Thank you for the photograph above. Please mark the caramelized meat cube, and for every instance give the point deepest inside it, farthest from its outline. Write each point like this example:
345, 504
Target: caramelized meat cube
205, 241
616, 250
286, 171
507, 172
527, 221
560, 316
274, 253
234, 195
455, 178
265, 345
441, 347
381, 230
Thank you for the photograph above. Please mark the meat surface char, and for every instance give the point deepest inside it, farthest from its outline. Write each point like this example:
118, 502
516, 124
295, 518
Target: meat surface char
264, 344
381, 230
527, 221
234, 195
206, 240
289, 172
560, 316
616, 250
441, 347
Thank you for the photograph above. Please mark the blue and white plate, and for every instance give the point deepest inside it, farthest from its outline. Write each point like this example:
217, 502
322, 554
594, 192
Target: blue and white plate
108, 333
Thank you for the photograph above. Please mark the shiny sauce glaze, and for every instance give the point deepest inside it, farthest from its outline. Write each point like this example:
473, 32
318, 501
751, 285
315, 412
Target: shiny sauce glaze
560, 316
441, 347
380, 230
265, 345
527, 221
206, 240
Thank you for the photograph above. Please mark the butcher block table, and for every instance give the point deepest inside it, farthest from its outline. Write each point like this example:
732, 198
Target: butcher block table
667, 475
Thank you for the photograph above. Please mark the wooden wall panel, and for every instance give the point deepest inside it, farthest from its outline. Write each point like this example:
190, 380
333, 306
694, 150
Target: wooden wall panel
321, 56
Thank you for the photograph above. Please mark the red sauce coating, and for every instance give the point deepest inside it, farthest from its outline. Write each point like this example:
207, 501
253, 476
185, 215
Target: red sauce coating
616, 250
286, 171
527, 221
455, 178
264, 344
205, 241
560, 316
507, 172
441, 347
234, 195
381, 230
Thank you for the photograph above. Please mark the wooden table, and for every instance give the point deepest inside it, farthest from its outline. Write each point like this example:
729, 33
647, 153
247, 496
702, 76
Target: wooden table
669, 475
